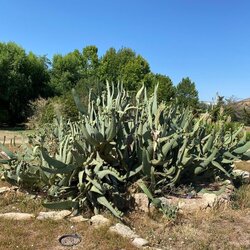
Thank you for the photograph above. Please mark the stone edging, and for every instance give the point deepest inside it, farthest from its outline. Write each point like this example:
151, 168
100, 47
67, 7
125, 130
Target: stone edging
96, 221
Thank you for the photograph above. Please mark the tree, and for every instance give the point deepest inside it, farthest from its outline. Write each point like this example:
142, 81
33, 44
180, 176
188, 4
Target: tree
186, 93
22, 78
166, 90
66, 71
125, 66
69, 70
109, 66
90, 60
134, 72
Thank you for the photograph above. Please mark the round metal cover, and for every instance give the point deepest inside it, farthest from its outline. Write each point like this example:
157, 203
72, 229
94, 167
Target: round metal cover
70, 239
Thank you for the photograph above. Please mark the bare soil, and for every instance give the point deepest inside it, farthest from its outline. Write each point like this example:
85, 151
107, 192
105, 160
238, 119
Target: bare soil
19, 136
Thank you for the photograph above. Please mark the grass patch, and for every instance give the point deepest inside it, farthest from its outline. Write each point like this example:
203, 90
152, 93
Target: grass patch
241, 198
219, 228
18, 201
243, 165
15, 201
45, 234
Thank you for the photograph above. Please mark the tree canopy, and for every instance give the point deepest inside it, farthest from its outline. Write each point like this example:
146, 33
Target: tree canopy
23, 77
26, 76
186, 93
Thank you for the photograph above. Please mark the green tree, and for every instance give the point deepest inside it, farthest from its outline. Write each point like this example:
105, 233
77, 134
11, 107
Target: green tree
109, 66
22, 78
166, 90
66, 71
90, 61
125, 66
186, 93
69, 70
134, 72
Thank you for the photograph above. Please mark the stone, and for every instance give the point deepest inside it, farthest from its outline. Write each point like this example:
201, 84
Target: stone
151, 248
4, 189
141, 202
78, 219
17, 216
201, 202
99, 220
124, 231
8, 189
53, 215
140, 242
209, 200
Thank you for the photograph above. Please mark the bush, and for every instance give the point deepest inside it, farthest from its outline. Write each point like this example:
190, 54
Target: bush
45, 110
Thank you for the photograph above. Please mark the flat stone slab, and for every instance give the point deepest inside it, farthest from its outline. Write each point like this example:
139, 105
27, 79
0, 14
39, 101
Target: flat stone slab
8, 189
99, 220
124, 231
4, 189
78, 219
128, 233
17, 216
53, 215
140, 242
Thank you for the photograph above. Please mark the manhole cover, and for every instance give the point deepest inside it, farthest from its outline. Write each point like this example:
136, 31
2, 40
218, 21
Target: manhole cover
70, 239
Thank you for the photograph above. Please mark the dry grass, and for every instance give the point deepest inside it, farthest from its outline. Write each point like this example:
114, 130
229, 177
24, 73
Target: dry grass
44, 235
241, 198
16, 201
243, 165
226, 228
20, 136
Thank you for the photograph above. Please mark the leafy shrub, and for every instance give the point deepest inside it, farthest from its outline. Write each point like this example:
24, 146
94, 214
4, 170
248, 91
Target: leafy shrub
45, 110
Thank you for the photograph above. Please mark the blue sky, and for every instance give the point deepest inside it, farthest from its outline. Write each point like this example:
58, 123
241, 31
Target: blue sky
206, 40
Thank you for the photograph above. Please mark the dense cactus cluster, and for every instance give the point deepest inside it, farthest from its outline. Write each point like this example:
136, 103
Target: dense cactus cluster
119, 141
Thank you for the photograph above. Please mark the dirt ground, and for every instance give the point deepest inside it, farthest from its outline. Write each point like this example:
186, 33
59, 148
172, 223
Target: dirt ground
19, 136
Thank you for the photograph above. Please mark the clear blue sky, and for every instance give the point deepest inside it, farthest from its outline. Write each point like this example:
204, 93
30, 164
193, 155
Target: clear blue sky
207, 40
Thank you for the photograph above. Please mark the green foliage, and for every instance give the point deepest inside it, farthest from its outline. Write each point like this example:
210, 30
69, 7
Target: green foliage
133, 72
43, 111
125, 66
93, 161
186, 93
6, 155
90, 60
166, 90
248, 136
22, 78
66, 71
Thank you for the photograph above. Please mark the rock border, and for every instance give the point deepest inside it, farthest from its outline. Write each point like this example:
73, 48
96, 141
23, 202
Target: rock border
96, 221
